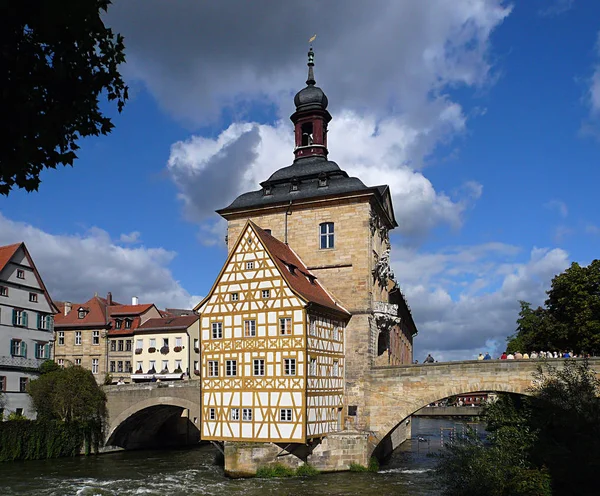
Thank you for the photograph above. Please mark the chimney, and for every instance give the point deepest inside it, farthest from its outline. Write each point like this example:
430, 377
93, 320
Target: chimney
134, 300
68, 307
109, 298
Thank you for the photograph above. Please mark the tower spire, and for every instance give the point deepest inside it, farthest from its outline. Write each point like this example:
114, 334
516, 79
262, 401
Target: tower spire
311, 63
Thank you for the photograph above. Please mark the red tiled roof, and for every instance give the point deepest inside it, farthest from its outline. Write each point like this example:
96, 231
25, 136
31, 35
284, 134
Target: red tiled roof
130, 309
95, 316
6, 253
302, 280
164, 323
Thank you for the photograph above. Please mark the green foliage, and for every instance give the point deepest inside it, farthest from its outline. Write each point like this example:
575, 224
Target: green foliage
543, 445
108, 379
48, 366
33, 439
68, 394
373, 464
357, 467
570, 319
16, 417
306, 470
275, 470
57, 61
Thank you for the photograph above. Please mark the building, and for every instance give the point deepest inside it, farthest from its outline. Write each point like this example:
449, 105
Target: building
272, 347
124, 320
167, 348
99, 332
26, 324
339, 228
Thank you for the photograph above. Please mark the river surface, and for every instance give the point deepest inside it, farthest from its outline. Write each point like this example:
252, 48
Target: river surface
193, 472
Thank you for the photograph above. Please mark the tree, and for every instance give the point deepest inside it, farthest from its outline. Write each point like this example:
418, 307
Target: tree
546, 444
570, 319
56, 61
68, 394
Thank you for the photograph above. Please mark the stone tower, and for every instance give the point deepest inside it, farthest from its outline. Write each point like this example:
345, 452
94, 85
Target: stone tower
340, 228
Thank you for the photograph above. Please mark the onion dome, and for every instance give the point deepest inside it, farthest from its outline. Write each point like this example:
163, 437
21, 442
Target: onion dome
311, 97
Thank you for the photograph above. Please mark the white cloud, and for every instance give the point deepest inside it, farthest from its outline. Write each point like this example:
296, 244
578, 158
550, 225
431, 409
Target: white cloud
558, 205
74, 267
465, 300
556, 7
131, 238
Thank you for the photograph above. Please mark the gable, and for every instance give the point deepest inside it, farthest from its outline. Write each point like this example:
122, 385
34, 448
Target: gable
248, 271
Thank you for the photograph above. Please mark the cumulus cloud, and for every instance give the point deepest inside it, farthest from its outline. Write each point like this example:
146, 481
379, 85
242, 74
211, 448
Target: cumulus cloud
212, 172
594, 89
465, 299
559, 206
74, 267
131, 238
556, 7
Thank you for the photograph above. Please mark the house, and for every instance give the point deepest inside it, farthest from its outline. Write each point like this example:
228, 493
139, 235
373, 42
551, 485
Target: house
26, 324
167, 348
272, 347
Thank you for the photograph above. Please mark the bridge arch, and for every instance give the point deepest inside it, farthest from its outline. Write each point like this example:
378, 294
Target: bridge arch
164, 420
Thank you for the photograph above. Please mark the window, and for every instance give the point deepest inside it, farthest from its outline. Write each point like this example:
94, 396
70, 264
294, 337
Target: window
285, 326
138, 365
322, 180
2, 383
307, 134
19, 318
128, 366
23, 384
234, 296
289, 366
139, 344
78, 361
326, 235
117, 324
95, 337
213, 368
152, 342
61, 362
268, 231
113, 366
249, 265
285, 415
312, 327
3, 291
152, 366
234, 414
249, 328
231, 368
178, 342
178, 365
42, 350
336, 368
312, 367
127, 323
336, 333
120, 345
212, 414
196, 344
78, 338
120, 366
128, 344
166, 342
259, 366
45, 322
20, 274
61, 338
33, 297
294, 185
165, 365
266, 293
247, 414
81, 314
196, 364
18, 348
113, 345
217, 330
95, 362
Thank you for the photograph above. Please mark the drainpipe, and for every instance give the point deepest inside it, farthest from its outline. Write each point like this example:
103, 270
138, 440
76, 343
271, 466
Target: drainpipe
287, 212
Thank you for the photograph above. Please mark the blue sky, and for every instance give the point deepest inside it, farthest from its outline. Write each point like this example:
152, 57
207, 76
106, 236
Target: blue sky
483, 116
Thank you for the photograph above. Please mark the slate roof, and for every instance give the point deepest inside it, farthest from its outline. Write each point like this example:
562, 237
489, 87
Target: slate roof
301, 280
168, 323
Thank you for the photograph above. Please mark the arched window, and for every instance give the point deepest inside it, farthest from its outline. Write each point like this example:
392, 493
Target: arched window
326, 235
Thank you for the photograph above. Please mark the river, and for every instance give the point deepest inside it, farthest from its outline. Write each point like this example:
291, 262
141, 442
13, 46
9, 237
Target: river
192, 471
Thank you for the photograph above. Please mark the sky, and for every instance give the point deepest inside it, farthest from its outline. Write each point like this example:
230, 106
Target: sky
483, 116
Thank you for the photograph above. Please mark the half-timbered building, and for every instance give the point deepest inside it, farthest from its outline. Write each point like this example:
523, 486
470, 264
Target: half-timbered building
272, 347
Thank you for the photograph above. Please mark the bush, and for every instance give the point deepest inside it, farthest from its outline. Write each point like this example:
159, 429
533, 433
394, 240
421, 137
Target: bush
108, 379
306, 470
275, 470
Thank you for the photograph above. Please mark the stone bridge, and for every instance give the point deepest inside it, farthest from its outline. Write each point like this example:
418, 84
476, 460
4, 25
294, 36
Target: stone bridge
153, 414
394, 393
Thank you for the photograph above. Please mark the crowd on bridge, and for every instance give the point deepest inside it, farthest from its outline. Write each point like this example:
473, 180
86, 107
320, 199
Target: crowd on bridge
534, 355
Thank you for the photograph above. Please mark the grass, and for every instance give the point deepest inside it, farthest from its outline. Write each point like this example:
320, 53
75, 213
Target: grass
278, 470
373, 466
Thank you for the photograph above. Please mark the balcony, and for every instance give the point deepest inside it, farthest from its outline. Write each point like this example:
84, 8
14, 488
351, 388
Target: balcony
21, 363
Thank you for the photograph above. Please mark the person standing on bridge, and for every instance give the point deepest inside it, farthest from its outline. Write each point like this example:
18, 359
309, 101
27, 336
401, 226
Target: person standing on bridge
504, 356
429, 359
487, 356
480, 357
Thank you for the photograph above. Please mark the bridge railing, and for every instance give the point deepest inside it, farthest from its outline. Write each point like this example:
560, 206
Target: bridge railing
522, 361
150, 385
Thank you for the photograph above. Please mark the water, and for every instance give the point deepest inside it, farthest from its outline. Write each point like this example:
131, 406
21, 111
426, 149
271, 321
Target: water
192, 472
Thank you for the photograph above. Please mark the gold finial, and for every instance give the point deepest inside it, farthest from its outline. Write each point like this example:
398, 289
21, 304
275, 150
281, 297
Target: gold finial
312, 38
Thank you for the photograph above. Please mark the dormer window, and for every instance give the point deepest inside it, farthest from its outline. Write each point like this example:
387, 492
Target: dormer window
3, 291
20, 274
127, 323
81, 313
294, 185
322, 180
117, 324
267, 190
291, 268
268, 231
